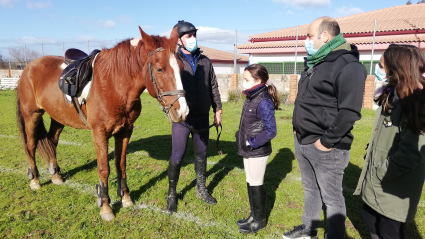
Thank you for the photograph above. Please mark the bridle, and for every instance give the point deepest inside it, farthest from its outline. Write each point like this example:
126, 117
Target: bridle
160, 93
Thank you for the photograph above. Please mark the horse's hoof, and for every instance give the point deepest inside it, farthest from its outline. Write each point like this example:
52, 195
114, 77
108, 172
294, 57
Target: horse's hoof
35, 184
126, 201
57, 179
107, 216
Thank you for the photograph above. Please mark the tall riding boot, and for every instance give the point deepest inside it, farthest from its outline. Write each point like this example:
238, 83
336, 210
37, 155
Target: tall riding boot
173, 178
250, 217
259, 211
201, 178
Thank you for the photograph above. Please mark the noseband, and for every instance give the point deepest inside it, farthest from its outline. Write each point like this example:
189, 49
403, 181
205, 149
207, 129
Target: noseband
160, 93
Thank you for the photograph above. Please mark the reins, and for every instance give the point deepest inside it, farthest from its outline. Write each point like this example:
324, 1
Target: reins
160, 93
206, 129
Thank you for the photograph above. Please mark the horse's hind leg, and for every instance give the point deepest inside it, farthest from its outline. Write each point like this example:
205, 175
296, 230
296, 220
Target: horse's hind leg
54, 132
32, 121
121, 142
101, 145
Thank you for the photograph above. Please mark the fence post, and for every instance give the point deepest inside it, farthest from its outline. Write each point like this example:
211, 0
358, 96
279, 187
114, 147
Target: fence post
42, 50
296, 53
25, 54
373, 48
234, 58
10, 68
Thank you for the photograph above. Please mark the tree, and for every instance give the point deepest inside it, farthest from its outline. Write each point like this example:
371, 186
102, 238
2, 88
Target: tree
23, 56
408, 2
3, 63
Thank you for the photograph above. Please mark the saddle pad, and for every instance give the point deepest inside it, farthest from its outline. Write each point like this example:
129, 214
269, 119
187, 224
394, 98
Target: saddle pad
83, 95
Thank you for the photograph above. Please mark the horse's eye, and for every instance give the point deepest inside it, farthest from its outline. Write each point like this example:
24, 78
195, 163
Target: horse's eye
159, 70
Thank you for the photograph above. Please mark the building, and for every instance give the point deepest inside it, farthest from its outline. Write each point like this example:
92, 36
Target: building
223, 62
278, 51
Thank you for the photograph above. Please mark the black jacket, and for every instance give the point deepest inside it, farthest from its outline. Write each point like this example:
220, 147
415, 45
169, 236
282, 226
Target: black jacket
201, 88
250, 126
329, 100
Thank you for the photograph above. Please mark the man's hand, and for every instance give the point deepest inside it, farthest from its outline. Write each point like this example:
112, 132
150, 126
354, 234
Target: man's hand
320, 146
217, 118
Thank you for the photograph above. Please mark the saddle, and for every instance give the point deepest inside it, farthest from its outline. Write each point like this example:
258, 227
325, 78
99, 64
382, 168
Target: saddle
78, 72
76, 75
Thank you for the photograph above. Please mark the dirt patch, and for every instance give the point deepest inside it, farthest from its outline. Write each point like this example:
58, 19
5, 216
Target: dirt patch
285, 117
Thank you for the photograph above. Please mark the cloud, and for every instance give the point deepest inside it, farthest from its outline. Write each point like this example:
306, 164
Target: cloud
36, 40
38, 5
289, 12
125, 19
106, 24
7, 3
345, 11
305, 3
211, 35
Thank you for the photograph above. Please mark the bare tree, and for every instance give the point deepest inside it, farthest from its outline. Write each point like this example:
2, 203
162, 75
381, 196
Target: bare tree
3, 63
22, 56
408, 3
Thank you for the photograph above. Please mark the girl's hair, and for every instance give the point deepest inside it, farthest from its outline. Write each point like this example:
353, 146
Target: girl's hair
260, 72
404, 66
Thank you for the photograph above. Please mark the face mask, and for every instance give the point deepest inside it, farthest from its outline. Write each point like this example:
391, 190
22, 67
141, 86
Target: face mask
191, 44
380, 74
309, 46
247, 85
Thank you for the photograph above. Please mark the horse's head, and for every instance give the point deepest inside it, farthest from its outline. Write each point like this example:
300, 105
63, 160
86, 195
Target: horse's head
162, 75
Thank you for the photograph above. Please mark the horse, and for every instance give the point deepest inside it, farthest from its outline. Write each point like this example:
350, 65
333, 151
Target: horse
120, 75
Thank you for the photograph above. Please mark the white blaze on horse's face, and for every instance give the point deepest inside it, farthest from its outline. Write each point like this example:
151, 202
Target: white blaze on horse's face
184, 109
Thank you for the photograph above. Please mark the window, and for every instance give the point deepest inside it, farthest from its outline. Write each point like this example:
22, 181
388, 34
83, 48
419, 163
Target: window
283, 67
367, 65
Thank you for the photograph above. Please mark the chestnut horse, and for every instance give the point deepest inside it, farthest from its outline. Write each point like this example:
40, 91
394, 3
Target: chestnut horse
120, 75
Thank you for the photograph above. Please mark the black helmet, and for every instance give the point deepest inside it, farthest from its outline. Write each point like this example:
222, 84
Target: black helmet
184, 27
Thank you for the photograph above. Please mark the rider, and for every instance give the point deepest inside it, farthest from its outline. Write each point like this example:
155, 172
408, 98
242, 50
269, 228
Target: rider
200, 83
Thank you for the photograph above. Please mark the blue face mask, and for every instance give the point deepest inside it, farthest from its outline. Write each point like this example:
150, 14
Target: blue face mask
191, 44
380, 74
309, 47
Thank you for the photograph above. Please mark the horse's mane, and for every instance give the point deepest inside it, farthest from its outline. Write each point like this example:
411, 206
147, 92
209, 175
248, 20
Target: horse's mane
124, 60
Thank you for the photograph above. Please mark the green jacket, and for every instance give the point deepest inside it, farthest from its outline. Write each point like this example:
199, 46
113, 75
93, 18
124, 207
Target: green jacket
394, 170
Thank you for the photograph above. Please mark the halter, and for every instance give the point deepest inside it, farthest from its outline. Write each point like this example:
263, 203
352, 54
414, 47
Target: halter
160, 93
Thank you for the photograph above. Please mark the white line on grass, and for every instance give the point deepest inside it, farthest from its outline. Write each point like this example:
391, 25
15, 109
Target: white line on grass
60, 140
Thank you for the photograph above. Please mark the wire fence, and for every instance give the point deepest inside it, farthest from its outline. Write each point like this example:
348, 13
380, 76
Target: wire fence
18, 56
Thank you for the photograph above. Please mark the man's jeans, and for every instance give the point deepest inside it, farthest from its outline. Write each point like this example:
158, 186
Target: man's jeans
321, 176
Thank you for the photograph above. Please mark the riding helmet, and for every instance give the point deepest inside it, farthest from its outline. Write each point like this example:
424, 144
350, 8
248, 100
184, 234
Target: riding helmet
184, 27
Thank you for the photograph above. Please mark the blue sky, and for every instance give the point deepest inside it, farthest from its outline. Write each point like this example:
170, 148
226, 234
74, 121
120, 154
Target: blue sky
35, 22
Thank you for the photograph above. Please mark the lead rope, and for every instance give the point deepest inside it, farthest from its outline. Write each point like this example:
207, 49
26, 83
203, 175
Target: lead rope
206, 129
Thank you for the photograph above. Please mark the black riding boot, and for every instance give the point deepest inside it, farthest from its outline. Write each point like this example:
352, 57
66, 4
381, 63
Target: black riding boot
259, 210
250, 217
173, 178
201, 178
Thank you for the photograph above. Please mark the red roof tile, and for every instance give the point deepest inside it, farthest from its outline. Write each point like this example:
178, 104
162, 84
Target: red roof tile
221, 56
398, 18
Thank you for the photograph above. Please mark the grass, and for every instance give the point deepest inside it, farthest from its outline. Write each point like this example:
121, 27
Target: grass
70, 210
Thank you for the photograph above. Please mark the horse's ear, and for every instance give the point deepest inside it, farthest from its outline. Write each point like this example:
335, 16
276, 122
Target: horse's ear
174, 37
147, 40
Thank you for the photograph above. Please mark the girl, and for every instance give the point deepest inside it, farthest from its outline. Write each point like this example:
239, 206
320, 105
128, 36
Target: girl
257, 127
394, 171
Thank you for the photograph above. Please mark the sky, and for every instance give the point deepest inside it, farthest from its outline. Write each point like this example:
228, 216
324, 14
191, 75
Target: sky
31, 23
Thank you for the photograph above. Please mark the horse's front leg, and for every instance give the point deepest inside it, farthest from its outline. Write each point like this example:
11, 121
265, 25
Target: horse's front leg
101, 145
121, 141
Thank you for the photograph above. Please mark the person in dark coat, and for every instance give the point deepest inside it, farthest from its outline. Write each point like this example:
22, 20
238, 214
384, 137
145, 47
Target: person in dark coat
329, 101
257, 128
202, 94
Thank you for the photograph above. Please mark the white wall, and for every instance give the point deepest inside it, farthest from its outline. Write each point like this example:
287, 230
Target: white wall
290, 57
227, 68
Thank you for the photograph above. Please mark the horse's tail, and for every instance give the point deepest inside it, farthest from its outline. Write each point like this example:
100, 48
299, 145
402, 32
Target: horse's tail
45, 145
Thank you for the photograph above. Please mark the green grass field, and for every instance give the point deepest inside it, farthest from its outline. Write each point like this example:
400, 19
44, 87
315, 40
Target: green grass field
70, 210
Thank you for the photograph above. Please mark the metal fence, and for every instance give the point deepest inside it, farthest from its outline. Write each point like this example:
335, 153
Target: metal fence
18, 56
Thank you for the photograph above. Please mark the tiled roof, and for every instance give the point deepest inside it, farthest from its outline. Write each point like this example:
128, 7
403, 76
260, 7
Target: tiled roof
398, 18
217, 55
352, 40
